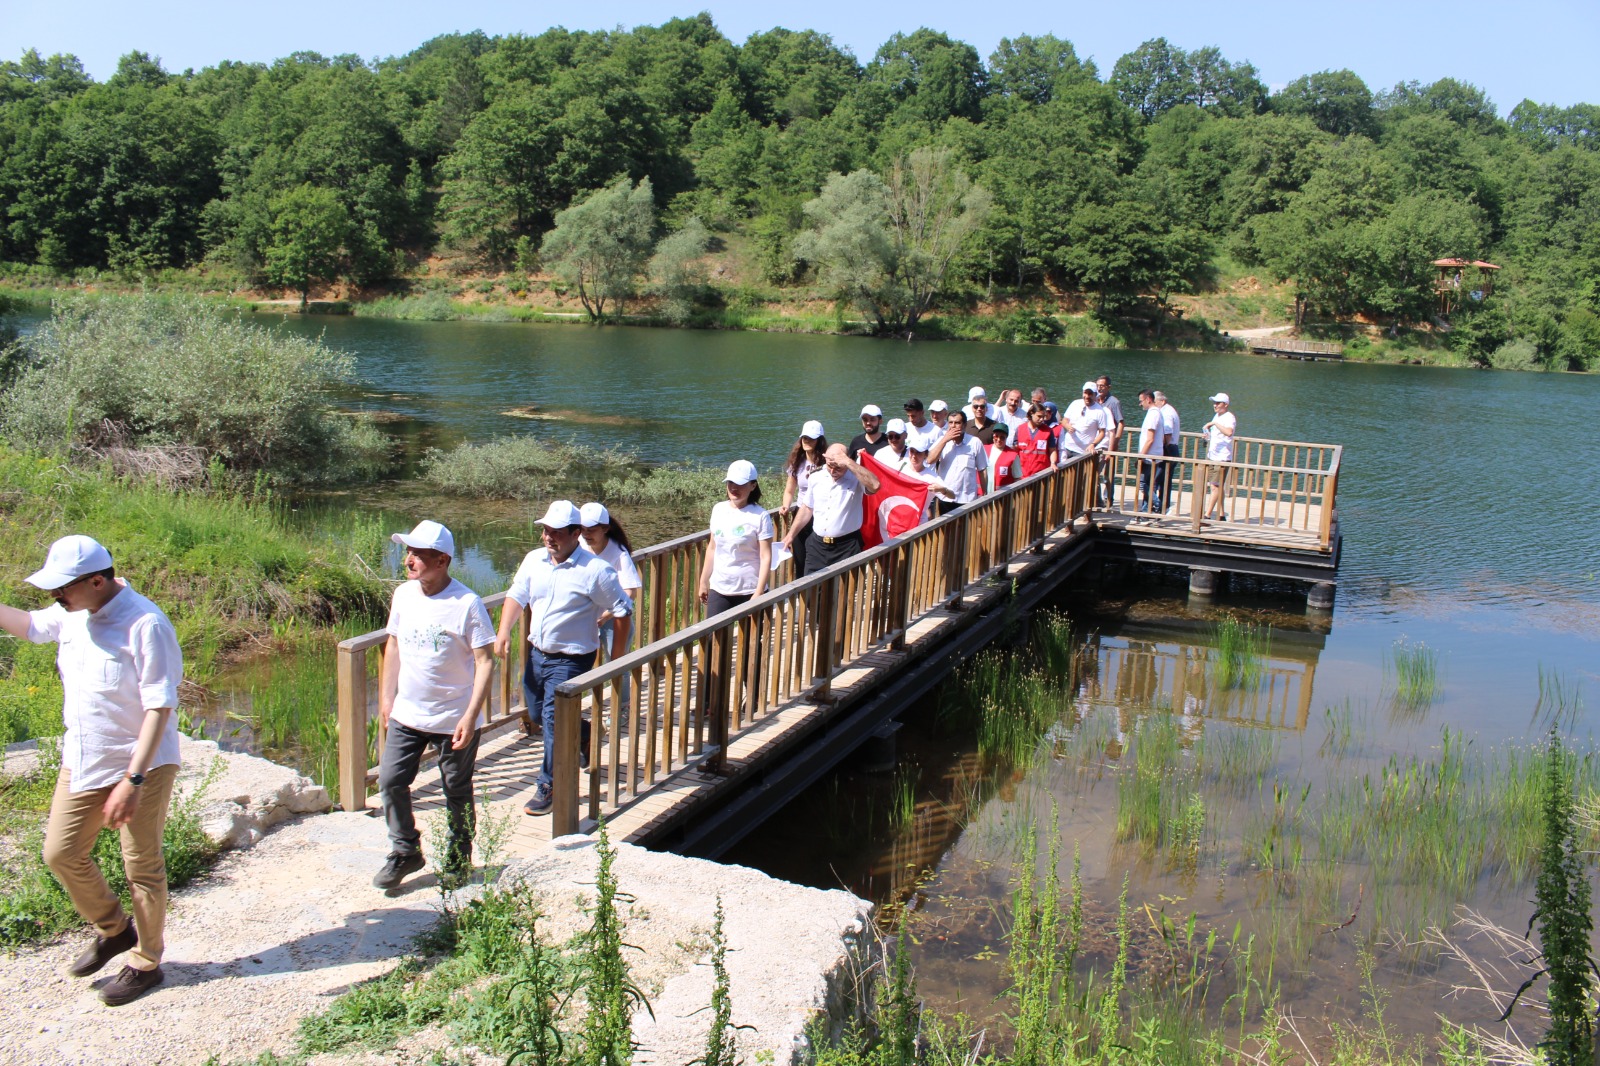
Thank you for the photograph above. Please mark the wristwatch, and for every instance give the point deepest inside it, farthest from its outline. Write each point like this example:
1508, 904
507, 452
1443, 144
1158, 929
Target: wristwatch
135, 780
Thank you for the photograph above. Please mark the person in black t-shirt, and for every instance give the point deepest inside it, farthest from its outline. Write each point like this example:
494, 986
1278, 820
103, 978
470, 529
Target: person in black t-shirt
872, 439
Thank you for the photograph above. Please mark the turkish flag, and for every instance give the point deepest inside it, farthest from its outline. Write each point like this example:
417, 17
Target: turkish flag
895, 508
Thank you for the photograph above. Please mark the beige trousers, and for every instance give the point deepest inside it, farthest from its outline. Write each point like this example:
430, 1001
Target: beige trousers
76, 819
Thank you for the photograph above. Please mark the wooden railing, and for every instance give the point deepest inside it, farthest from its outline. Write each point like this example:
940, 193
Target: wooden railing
689, 695
1285, 486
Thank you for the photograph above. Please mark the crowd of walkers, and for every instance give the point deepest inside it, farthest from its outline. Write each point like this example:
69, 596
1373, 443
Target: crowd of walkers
121, 664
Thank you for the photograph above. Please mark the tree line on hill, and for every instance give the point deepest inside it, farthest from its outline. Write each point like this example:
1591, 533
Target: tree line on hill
924, 170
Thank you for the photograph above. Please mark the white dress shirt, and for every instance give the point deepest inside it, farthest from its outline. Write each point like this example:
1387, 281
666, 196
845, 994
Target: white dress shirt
835, 503
959, 466
116, 663
566, 599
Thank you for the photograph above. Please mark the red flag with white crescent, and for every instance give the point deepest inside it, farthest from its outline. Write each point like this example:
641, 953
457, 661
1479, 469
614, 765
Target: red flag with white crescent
895, 508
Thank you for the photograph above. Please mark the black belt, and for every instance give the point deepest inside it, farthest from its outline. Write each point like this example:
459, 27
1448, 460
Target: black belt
841, 536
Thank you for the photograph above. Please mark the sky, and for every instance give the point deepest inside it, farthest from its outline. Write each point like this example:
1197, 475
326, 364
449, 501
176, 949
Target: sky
1539, 49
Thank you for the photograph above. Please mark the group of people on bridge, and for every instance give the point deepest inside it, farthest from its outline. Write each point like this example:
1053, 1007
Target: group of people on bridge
120, 661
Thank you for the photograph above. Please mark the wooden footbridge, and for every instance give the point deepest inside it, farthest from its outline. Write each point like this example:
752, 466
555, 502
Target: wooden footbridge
714, 723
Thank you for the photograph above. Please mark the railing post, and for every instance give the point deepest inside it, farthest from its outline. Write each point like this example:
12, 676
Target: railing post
564, 765
1330, 486
1197, 495
352, 681
717, 705
825, 622
658, 599
955, 578
900, 597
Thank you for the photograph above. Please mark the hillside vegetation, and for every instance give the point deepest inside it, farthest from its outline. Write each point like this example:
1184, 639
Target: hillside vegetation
925, 190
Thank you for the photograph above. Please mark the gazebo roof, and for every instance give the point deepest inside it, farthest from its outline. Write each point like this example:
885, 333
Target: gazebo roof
1481, 265
1451, 263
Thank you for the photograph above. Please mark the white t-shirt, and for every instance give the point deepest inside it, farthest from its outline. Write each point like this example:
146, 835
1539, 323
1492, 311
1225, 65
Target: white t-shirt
736, 536
436, 636
1152, 425
923, 436
616, 556
1083, 422
1219, 445
1171, 426
959, 466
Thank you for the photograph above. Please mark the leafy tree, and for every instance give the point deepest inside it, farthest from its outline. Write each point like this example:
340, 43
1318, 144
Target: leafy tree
676, 269
309, 230
599, 245
931, 75
1034, 69
1338, 101
1549, 126
886, 246
791, 75
1153, 78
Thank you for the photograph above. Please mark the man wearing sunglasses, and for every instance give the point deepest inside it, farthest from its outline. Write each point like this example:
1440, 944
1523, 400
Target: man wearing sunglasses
120, 668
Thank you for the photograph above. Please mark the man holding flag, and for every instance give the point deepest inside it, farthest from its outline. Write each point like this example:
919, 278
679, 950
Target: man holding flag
895, 507
832, 503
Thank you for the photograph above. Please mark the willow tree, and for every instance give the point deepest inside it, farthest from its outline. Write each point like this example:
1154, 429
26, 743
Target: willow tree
886, 245
600, 245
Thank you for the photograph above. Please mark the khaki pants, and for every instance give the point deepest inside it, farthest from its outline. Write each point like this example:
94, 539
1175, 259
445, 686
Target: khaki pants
76, 819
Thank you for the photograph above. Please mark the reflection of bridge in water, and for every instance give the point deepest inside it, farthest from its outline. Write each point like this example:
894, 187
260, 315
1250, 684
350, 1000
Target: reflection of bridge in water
715, 723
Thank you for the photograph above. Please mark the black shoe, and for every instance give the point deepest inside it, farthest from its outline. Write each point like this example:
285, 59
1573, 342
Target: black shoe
129, 985
395, 870
103, 950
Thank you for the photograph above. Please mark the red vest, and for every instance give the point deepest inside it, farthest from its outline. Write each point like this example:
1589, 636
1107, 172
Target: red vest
1036, 448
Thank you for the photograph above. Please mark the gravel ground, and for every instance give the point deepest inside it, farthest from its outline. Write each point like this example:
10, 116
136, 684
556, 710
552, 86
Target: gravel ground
272, 935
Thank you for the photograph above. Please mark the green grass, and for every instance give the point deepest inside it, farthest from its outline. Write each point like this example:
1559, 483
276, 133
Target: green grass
1241, 652
1416, 674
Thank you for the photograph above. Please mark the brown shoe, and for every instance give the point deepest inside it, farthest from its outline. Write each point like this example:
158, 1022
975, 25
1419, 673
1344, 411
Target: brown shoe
129, 985
103, 950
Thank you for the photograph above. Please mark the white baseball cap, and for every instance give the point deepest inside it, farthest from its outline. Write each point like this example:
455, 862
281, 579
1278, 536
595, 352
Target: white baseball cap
896, 425
872, 409
976, 393
812, 429
938, 405
561, 514
741, 472
69, 559
1220, 397
595, 514
428, 534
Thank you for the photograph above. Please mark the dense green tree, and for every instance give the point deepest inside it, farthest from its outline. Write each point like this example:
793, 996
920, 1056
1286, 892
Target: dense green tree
1034, 69
791, 75
1158, 76
309, 230
599, 246
932, 76
677, 270
1338, 101
1548, 126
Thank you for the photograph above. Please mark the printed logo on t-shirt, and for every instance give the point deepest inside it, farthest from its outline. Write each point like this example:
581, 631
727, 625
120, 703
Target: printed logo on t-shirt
434, 638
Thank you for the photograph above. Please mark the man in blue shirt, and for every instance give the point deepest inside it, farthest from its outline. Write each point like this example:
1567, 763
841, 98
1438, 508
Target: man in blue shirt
565, 588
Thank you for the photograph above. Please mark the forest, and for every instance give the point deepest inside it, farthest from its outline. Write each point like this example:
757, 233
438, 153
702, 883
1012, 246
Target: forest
926, 174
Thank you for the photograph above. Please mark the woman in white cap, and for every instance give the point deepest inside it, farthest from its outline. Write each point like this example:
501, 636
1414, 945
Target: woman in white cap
804, 459
1219, 449
604, 536
739, 561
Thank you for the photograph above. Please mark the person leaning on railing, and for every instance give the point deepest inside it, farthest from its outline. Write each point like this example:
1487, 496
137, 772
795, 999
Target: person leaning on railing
566, 588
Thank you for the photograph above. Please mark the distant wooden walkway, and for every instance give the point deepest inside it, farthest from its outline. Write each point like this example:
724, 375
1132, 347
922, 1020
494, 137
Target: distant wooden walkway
1294, 348
684, 720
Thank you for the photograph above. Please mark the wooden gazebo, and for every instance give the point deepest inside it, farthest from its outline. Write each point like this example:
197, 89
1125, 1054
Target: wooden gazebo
1473, 277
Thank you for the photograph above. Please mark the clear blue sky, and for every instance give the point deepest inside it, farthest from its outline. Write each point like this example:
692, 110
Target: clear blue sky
1543, 49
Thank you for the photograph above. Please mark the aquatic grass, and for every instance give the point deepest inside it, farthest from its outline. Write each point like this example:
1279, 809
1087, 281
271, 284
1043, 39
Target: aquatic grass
1560, 702
1416, 674
523, 467
1241, 652
1234, 757
903, 800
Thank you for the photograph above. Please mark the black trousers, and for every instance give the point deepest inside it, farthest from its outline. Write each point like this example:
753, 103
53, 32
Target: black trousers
402, 755
820, 554
717, 602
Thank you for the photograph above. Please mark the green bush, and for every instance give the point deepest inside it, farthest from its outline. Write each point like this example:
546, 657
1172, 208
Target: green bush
1518, 354
522, 468
138, 372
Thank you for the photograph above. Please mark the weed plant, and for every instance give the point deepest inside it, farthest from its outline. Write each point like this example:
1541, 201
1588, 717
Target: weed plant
1416, 674
1560, 702
1241, 652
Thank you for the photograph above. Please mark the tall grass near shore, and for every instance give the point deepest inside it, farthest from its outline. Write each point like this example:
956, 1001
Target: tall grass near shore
1241, 652
1416, 674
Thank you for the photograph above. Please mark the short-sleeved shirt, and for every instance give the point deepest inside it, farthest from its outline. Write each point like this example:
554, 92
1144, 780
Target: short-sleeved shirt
922, 437
436, 636
860, 443
616, 556
1219, 445
835, 503
987, 432
959, 466
802, 474
1114, 406
1012, 421
1081, 422
1152, 425
565, 599
736, 536
116, 663
1172, 428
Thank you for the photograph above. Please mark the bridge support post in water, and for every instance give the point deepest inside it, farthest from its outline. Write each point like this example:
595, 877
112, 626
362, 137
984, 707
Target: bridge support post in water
1319, 597
878, 752
1203, 581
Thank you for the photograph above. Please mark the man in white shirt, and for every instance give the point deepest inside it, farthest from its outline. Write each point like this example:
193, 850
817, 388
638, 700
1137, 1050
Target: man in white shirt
938, 414
893, 451
1219, 432
1113, 407
1151, 437
565, 588
920, 432
120, 669
1012, 411
832, 501
959, 460
437, 664
1171, 446
1085, 424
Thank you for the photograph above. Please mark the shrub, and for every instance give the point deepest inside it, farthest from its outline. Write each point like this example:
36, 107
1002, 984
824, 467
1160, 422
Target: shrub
522, 468
135, 372
1518, 354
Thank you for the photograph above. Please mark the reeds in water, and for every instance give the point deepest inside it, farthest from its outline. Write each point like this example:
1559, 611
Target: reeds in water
1241, 652
1416, 674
